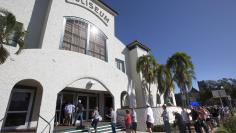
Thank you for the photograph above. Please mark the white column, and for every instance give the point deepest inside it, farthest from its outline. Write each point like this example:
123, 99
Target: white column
173, 97
5, 97
162, 98
47, 111
101, 104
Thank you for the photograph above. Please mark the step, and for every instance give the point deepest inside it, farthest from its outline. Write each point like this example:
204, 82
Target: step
100, 129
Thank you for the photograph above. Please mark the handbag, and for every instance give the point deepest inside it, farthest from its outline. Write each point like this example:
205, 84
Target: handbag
99, 118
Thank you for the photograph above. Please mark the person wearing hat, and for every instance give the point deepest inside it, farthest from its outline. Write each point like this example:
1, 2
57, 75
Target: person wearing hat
149, 118
165, 117
79, 113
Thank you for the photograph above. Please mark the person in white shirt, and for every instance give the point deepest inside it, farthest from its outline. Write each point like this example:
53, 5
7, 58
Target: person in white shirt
186, 119
69, 109
149, 118
165, 116
134, 121
96, 117
112, 116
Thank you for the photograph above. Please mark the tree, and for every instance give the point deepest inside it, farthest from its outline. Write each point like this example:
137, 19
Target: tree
147, 65
206, 87
164, 80
11, 32
182, 71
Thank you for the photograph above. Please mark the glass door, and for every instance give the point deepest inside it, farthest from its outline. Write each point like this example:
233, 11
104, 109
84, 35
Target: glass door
93, 102
19, 109
58, 117
84, 101
89, 103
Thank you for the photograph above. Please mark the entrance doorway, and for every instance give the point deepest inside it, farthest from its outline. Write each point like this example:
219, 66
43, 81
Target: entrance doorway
89, 101
19, 109
108, 103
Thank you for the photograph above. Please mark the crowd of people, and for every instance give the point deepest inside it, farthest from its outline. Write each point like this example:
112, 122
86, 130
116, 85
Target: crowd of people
201, 118
75, 113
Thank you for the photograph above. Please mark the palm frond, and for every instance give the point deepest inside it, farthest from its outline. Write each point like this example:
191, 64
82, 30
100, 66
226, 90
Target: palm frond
11, 32
3, 54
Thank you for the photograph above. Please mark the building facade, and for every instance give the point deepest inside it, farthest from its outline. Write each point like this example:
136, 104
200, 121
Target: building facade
72, 54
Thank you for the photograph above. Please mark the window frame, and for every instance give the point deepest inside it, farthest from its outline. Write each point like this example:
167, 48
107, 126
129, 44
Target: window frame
22, 89
123, 65
88, 36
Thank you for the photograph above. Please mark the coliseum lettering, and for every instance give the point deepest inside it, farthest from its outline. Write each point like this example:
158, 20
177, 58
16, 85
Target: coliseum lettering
96, 9
90, 6
106, 19
82, 2
101, 14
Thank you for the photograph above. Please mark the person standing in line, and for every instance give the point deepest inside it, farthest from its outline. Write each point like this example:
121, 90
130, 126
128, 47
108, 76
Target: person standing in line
134, 121
179, 122
208, 118
127, 121
215, 115
202, 119
186, 119
222, 113
165, 117
79, 113
149, 118
69, 110
112, 116
95, 120
195, 120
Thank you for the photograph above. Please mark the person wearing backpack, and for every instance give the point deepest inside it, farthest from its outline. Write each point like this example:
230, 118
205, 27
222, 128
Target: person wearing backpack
79, 114
96, 119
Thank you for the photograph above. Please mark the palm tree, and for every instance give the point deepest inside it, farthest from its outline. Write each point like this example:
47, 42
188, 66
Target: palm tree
146, 64
164, 80
11, 32
182, 71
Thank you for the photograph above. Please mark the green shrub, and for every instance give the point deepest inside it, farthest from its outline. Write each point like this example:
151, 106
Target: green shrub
230, 124
221, 129
161, 128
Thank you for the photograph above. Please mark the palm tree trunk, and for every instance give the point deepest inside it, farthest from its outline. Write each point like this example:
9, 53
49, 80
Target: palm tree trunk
149, 94
184, 101
3, 54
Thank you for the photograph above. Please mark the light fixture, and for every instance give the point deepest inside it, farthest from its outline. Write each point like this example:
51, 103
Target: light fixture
89, 84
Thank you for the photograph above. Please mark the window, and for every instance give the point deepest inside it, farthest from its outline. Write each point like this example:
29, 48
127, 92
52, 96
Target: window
124, 99
97, 44
83, 37
20, 106
120, 65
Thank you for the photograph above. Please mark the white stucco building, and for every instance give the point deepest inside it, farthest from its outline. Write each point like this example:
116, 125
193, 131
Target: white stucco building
72, 54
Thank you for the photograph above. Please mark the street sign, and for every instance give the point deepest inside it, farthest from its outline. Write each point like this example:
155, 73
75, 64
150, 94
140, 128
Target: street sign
219, 93
194, 104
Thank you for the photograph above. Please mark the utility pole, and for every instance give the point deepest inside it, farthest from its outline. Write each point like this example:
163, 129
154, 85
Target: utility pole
220, 99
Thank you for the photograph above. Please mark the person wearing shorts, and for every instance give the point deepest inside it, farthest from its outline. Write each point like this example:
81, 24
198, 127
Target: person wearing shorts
69, 109
127, 121
149, 118
134, 121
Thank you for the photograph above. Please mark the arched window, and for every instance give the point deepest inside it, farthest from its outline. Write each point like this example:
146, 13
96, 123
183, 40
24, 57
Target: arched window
124, 99
84, 37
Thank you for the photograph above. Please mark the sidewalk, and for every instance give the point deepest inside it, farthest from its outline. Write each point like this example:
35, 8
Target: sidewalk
140, 132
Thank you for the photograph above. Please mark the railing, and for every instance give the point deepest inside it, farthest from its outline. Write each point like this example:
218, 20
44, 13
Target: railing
2, 119
48, 123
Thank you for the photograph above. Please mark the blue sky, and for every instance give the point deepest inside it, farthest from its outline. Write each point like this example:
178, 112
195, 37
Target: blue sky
204, 29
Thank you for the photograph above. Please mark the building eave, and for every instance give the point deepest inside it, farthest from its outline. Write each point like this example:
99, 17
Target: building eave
135, 44
106, 7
